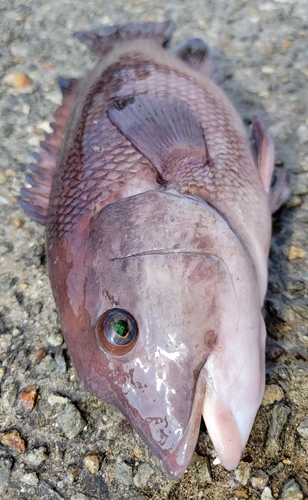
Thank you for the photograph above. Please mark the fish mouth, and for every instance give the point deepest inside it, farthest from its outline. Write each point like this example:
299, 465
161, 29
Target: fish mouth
176, 462
228, 443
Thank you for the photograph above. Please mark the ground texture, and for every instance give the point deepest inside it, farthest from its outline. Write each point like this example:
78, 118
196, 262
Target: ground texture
57, 440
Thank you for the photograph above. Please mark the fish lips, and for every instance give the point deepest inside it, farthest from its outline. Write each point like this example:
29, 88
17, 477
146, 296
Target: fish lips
176, 462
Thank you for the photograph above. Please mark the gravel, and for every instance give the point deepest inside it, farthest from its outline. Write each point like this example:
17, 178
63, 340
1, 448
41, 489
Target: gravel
260, 52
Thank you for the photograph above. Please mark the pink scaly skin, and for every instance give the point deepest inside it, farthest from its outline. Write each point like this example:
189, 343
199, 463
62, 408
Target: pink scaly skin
158, 225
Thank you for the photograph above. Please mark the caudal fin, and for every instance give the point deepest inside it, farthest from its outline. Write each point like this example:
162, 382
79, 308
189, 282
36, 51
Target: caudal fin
103, 40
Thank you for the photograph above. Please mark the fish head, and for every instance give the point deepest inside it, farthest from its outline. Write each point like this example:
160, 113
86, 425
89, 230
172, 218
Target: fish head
165, 324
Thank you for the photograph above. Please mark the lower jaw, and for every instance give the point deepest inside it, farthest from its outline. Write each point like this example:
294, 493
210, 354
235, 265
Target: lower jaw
178, 460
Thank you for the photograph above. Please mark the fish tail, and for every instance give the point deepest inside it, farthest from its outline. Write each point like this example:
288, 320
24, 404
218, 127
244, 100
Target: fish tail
103, 40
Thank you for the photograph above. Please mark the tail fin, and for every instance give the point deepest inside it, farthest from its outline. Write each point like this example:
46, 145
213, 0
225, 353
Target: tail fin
103, 40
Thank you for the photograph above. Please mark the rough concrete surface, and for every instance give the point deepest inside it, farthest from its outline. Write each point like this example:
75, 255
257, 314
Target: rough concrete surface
57, 440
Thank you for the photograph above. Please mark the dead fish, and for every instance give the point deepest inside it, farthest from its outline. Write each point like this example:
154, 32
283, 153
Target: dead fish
158, 225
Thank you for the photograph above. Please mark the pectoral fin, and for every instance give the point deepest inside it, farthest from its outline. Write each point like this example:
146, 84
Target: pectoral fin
160, 127
278, 185
280, 190
264, 150
196, 54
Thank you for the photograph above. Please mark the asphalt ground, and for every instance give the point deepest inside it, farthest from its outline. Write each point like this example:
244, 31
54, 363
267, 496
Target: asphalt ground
70, 445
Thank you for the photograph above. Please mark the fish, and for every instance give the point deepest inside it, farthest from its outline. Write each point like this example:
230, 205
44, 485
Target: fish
157, 210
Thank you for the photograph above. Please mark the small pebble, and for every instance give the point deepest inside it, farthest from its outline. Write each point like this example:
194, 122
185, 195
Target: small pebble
37, 456
280, 416
28, 397
47, 364
61, 363
241, 492
273, 349
267, 494
302, 132
9, 394
142, 476
3, 201
5, 339
302, 428
30, 478
55, 339
123, 474
17, 80
242, 473
73, 473
200, 467
13, 439
56, 400
71, 421
40, 355
138, 452
268, 70
291, 491
275, 469
92, 461
6, 465
295, 253
79, 496
272, 394
259, 479
17, 223
286, 461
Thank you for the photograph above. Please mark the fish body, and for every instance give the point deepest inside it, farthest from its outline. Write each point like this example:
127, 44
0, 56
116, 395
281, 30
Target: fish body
158, 225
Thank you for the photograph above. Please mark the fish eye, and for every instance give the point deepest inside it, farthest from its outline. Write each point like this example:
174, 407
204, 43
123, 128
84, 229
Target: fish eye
116, 331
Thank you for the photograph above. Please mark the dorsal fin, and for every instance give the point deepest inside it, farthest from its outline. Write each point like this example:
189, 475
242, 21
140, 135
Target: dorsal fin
104, 39
159, 126
35, 200
197, 55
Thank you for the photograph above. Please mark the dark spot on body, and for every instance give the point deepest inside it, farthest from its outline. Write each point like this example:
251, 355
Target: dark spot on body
111, 299
210, 339
121, 102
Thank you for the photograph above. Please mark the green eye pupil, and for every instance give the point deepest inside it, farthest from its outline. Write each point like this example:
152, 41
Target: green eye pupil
121, 327
116, 331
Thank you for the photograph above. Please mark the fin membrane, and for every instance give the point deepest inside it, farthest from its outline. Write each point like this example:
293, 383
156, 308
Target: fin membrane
263, 148
196, 54
276, 185
35, 199
103, 40
280, 190
160, 127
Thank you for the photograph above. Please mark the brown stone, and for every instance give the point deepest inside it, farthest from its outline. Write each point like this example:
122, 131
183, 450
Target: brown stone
14, 440
28, 396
